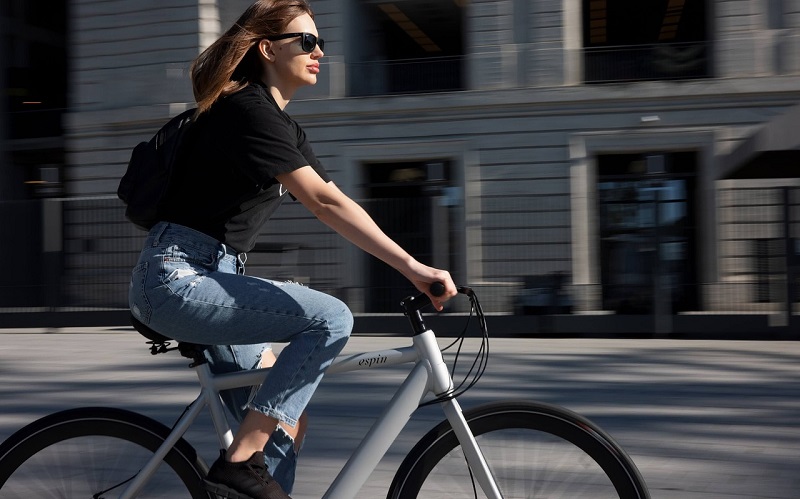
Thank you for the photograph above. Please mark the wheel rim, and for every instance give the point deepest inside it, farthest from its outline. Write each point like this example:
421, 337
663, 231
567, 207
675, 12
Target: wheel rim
526, 463
85, 466
534, 450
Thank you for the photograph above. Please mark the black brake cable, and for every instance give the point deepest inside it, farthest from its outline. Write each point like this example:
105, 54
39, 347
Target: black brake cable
481, 357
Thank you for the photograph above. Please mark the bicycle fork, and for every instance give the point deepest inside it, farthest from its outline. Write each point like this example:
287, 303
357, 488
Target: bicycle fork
475, 459
442, 383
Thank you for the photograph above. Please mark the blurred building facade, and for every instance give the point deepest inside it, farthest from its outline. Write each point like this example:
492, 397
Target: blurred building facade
589, 157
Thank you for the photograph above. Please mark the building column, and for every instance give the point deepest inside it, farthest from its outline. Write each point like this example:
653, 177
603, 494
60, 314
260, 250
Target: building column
492, 57
6, 177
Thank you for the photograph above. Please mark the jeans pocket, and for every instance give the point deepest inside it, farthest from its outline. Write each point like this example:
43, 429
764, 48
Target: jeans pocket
183, 267
137, 296
186, 252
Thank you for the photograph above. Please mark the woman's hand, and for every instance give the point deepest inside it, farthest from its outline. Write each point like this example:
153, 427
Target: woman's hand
423, 276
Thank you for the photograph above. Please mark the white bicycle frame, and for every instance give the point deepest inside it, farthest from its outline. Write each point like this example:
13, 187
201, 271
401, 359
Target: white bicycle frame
428, 376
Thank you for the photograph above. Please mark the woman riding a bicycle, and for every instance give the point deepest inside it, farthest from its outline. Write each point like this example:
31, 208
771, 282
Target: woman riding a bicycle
241, 157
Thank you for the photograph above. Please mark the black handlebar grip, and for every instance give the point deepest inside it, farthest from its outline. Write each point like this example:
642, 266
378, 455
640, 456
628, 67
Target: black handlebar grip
437, 289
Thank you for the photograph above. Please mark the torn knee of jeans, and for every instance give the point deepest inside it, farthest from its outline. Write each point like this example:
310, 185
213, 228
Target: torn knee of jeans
282, 433
283, 440
272, 413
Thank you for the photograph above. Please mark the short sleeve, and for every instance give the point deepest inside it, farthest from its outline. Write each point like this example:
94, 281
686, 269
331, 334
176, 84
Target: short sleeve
262, 143
260, 140
305, 149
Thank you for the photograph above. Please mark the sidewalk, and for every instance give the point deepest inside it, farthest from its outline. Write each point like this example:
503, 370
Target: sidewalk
702, 419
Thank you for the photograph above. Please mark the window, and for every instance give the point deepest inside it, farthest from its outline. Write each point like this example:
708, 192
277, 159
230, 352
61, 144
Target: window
35, 86
407, 46
630, 40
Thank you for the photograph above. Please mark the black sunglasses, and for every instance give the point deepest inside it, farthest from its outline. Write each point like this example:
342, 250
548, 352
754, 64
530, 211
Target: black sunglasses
307, 40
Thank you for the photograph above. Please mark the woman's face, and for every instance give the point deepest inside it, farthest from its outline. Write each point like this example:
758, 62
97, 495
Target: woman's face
293, 67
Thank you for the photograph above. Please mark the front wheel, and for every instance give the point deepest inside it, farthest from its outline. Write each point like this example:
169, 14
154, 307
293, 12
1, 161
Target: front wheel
93, 453
533, 450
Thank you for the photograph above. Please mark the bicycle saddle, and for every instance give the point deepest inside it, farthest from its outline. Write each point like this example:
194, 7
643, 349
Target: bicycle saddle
160, 343
148, 333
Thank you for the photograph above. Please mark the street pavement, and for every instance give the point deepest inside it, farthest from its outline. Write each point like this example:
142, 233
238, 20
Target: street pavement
701, 419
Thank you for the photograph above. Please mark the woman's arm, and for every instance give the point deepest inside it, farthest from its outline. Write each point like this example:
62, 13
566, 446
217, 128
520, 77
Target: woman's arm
334, 208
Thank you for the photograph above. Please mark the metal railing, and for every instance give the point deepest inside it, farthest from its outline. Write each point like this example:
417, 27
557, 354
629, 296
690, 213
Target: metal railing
385, 77
759, 250
662, 61
76, 255
627, 63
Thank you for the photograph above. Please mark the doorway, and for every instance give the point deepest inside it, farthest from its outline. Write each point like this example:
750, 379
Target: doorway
648, 232
405, 200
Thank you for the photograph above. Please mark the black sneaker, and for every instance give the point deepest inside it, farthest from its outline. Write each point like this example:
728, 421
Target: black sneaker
246, 480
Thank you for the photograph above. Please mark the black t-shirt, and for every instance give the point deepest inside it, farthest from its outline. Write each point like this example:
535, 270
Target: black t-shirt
224, 183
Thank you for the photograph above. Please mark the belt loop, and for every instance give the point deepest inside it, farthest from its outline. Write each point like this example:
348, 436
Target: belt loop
226, 250
159, 233
240, 259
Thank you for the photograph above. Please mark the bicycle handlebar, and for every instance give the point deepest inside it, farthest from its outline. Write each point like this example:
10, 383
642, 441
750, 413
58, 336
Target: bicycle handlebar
413, 304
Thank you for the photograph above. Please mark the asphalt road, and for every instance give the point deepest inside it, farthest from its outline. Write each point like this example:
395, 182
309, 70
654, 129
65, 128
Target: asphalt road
701, 419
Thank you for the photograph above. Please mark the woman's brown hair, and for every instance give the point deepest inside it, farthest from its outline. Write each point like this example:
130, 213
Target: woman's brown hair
232, 62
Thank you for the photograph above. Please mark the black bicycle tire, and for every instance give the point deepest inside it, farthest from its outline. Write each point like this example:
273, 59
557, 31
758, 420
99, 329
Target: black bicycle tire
554, 420
102, 421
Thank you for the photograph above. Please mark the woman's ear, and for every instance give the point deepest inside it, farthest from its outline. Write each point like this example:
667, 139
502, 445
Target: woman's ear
265, 50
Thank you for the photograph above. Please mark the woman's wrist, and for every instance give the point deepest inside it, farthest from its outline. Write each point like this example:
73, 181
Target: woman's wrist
406, 265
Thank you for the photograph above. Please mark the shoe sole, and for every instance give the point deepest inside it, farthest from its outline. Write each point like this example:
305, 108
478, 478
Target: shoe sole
224, 491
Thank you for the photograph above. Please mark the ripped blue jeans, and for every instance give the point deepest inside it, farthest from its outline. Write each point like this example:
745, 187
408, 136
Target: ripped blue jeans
187, 287
280, 452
